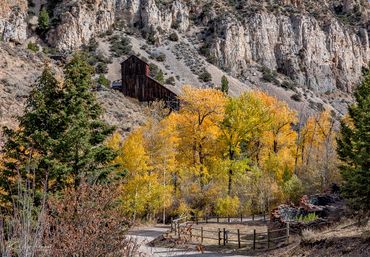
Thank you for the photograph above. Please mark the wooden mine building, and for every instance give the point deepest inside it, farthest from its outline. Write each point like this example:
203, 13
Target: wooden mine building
137, 83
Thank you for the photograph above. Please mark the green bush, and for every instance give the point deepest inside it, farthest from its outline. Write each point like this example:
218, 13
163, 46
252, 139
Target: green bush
33, 47
103, 81
101, 68
293, 189
161, 57
269, 75
173, 37
160, 77
205, 76
307, 218
171, 81
153, 70
120, 46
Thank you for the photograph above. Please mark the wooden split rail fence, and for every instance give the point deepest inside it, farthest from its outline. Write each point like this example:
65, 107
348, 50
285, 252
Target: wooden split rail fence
270, 239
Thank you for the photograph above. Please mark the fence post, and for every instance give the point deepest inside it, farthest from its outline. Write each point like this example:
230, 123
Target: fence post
287, 231
253, 217
206, 219
218, 219
241, 217
219, 236
178, 229
268, 238
264, 216
201, 234
254, 239
224, 236
228, 219
196, 219
238, 238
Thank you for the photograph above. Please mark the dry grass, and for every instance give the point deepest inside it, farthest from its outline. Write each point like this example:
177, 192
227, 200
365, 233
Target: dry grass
345, 229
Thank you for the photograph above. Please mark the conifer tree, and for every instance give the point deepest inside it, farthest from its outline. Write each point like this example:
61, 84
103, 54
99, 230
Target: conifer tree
30, 150
224, 85
60, 136
43, 21
82, 142
354, 149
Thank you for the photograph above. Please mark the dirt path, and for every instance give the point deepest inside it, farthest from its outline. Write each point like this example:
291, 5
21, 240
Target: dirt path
146, 234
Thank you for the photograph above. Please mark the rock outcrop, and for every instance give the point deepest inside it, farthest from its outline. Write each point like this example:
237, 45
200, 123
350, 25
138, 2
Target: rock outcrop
13, 25
81, 22
319, 58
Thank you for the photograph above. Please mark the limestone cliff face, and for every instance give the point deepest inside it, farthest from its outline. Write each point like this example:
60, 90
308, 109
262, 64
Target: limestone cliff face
13, 25
322, 58
81, 22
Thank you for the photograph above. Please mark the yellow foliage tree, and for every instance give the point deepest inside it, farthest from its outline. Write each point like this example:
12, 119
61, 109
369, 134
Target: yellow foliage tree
317, 151
246, 117
278, 142
197, 127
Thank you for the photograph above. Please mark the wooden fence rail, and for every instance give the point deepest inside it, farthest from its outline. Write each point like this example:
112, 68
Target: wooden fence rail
269, 239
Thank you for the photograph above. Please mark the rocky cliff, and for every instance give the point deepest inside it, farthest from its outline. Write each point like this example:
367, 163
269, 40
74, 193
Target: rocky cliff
308, 41
13, 25
313, 49
82, 20
319, 58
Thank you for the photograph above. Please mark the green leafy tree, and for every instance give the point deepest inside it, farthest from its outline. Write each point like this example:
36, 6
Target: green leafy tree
43, 21
224, 85
354, 149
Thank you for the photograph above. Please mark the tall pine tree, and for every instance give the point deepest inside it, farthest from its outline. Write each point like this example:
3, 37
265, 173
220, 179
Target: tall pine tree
30, 150
82, 143
354, 149
61, 135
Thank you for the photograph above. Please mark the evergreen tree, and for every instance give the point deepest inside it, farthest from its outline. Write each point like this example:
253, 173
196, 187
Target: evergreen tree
354, 149
30, 150
60, 137
43, 21
224, 85
82, 142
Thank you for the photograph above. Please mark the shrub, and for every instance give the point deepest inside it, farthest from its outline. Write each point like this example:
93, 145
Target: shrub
120, 46
173, 37
227, 207
87, 222
160, 77
287, 85
269, 75
170, 81
161, 57
307, 218
153, 70
101, 68
293, 189
296, 97
103, 81
33, 47
205, 76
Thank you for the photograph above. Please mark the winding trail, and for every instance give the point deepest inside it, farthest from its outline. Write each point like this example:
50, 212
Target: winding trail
144, 235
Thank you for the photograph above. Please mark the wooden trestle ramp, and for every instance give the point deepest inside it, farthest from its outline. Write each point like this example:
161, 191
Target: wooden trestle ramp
190, 229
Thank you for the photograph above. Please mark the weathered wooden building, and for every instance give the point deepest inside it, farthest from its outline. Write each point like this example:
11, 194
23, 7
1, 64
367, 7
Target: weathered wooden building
137, 83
